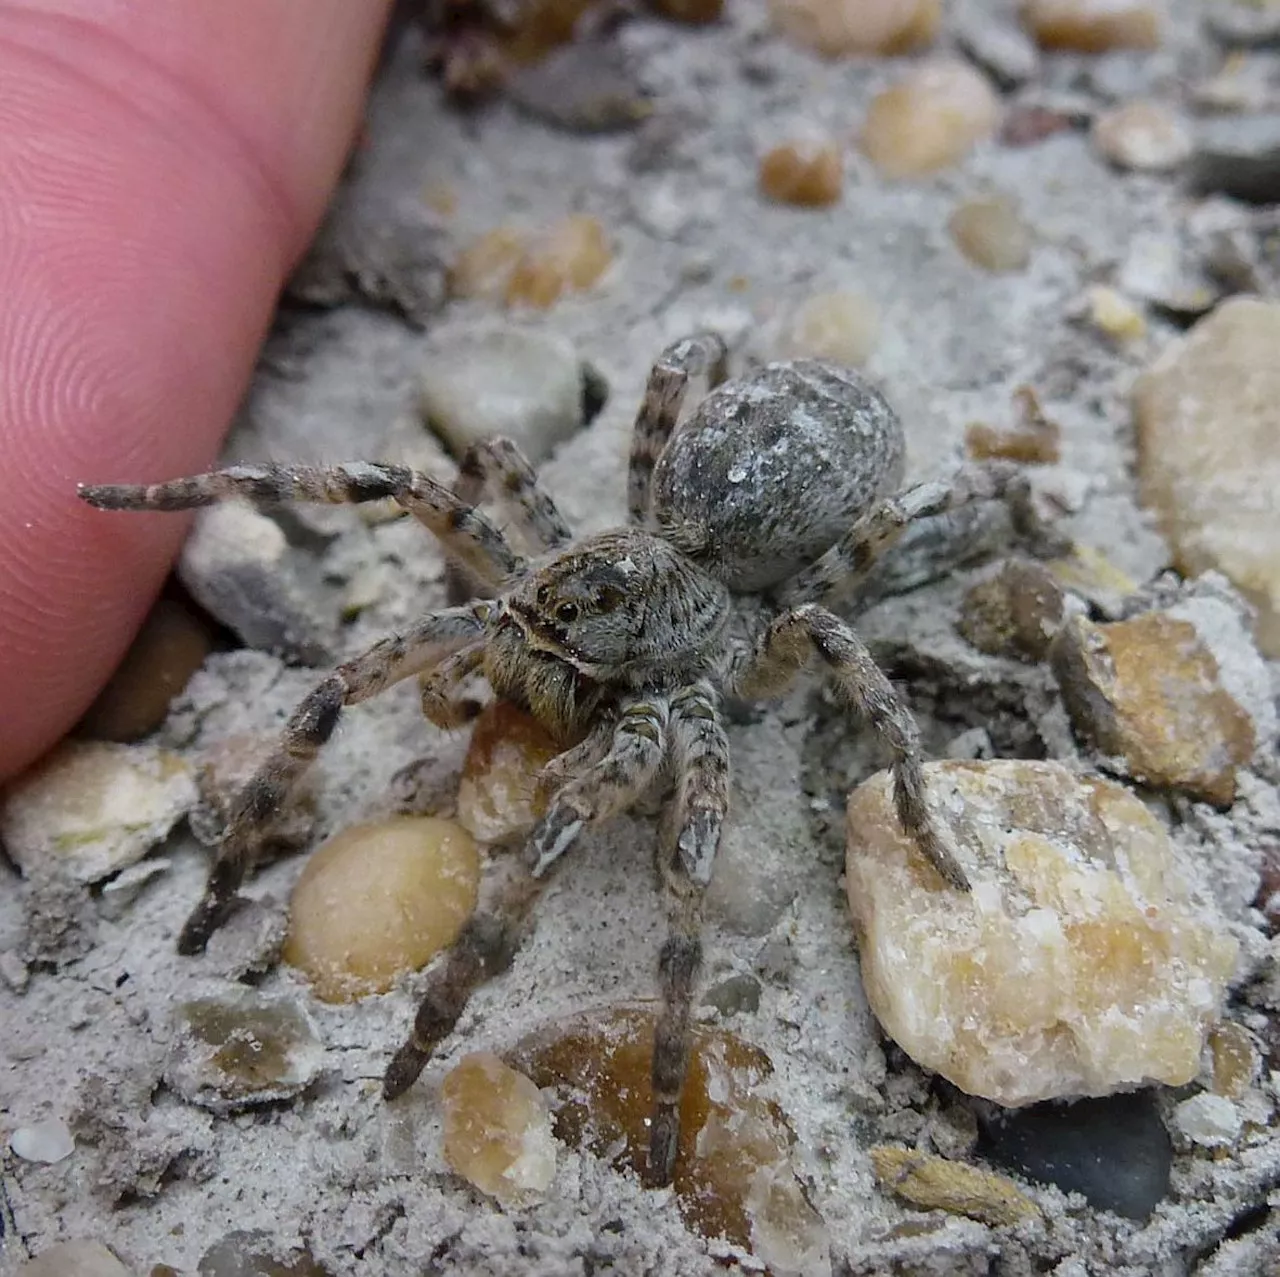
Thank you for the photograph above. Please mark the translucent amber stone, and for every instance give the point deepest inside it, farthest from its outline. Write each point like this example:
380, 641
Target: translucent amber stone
378, 900
570, 257
1092, 26
844, 28
483, 268
499, 795
806, 174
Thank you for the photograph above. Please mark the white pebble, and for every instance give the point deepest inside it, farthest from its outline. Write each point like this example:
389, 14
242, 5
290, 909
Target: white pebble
1208, 1119
49, 1141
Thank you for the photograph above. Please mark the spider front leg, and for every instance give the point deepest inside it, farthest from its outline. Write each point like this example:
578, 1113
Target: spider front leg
441, 703
489, 941
700, 752
786, 648
309, 727
466, 534
848, 563
704, 354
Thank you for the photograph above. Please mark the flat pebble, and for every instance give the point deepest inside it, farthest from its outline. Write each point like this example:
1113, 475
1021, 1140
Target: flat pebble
938, 1183
1146, 136
991, 233
1092, 26
255, 1253
569, 256
846, 28
74, 1259
241, 1047
1079, 964
48, 1141
91, 808
1211, 1121
1239, 155
1002, 50
1209, 452
806, 174
477, 381
588, 86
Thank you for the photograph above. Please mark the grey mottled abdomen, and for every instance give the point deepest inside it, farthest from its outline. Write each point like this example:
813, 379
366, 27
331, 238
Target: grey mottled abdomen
773, 468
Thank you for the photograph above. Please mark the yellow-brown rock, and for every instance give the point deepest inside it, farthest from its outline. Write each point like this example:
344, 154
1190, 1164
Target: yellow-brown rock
1092, 26
1148, 691
568, 257
806, 174
1015, 612
938, 1183
991, 234
378, 900
734, 1176
847, 28
843, 327
929, 120
1080, 964
1209, 452
497, 1129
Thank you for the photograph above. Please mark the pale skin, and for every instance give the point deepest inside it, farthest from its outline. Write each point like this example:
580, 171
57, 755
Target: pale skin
623, 645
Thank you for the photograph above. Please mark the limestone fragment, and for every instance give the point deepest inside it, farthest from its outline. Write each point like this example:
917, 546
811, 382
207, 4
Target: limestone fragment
91, 808
477, 381
1148, 691
804, 173
378, 900
48, 1141
499, 794
846, 28
74, 1259
991, 233
497, 1129
241, 1047
929, 120
937, 1183
1079, 965
1144, 136
843, 327
734, 1174
1209, 452
1092, 26
1209, 1120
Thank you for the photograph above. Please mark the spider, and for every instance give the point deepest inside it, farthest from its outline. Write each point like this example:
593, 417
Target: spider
770, 501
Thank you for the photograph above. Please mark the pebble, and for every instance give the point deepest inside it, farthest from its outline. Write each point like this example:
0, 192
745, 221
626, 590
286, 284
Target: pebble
737, 995
1115, 1151
848, 28
842, 327
1015, 612
990, 233
167, 650
569, 257
588, 86
482, 269
1211, 1121
236, 563
1234, 1058
241, 1047
49, 1141
1247, 23
929, 120
1003, 51
734, 1175
1208, 442
379, 900
255, 1253
938, 1183
1080, 965
1246, 258
74, 1259
477, 381
1239, 155
1092, 26
1161, 271
1036, 439
1112, 314
1144, 136
805, 174
1148, 692
497, 1129
91, 808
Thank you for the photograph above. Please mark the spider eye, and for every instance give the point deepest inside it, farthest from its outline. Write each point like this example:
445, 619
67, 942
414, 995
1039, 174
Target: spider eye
567, 613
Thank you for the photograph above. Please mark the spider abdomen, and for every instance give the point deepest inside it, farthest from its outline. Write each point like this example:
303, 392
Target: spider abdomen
772, 468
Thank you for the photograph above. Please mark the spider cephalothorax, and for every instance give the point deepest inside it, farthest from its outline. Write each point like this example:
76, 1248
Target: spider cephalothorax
773, 498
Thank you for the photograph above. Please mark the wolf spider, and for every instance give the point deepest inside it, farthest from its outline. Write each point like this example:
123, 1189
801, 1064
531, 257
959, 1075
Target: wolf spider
774, 498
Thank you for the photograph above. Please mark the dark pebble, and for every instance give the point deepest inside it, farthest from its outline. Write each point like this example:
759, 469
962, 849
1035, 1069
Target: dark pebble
1239, 156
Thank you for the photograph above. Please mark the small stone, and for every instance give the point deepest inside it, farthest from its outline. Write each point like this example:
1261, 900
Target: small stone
1144, 136
1160, 270
1088, 573
848, 28
1030, 123
588, 86
1248, 23
1244, 82
1079, 965
1017, 612
733, 996
1113, 314
378, 900
1035, 441
91, 808
1234, 1058
1004, 52
483, 268
1209, 1120
937, 1183
500, 795
991, 233
237, 565
478, 381
74, 1259
497, 1129
1148, 691
1246, 258
241, 1047
842, 327
806, 174
49, 1141
734, 1176
1092, 26
168, 649
569, 257
929, 120
249, 943
256, 1254
1239, 155
1209, 452
1115, 1151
